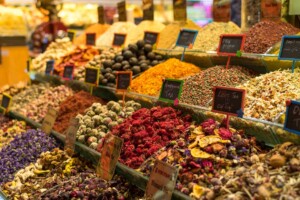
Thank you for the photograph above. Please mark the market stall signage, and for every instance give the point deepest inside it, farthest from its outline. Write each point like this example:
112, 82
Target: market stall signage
110, 153
71, 134
186, 38
179, 10
91, 75
148, 10
68, 72
119, 39
90, 39
162, 181
101, 15
123, 80
171, 90
151, 37
6, 102
49, 67
49, 121
231, 44
229, 101
122, 11
290, 48
71, 35
292, 117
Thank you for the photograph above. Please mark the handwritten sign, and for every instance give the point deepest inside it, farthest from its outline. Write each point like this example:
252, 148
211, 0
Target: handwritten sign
290, 48
91, 75
110, 154
119, 39
148, 10
6, 101
71, 134
123, 80
122, 11
162, 181
179, 10
231, 44
49, 67
90, 39
71, 35
186, 38
151, 37
171, 90
292, 117
228, 101
49, 121
101, 15
68, 72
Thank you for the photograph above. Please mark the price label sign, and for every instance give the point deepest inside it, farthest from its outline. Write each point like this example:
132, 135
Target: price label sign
122, 11
92, 75
186, 38
110, 153
229, 101
49, 67
162, 181
123, 80
71, 35
101, 15
90, 39
151, 37
231, 44
49, 121
292, 117
179, 10
171, 90
6, 101
71, 134
119, 39
290, 48
148, 10
68, 72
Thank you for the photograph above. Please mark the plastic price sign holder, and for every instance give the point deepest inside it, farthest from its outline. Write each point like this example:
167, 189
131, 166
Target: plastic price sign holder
119, 40
92, 77
151, 37
71, 35
186, 39
5, 103
110, 153
49, 67
71, 136
292, 117
290, 49
162, 181
231, 45
229, 101
171, 91
122, 11
68, 72
124, 80
90, 39
148, 10
49, 121
100, 10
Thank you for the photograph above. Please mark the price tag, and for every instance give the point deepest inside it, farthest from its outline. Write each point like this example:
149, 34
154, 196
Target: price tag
123, 80
68, 72
292, 117
231, 44
122, 11
49, 121
171, 90
290, 48
186, 38
229, 101
49, 67
148, 10
91, 75
162, 181
110, 154
71, 35
6, 101
90, 39
101, 15
119, 39
71, 134
137, 20
179, 10
151, 37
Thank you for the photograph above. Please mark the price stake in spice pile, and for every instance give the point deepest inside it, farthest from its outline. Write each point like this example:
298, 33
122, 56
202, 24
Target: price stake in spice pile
151, 37
119, 40
5, 103
90, 39
110, 153
68, 72
71, 135
49, 121
292, 117
49, 67
162, 181
92, 76
71, 35
290, 49
171, 91
229, 101
186, 39
123, 82
231, 45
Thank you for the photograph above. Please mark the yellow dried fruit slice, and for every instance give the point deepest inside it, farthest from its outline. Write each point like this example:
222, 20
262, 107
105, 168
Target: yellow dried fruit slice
211, 139
197, 153
197, 191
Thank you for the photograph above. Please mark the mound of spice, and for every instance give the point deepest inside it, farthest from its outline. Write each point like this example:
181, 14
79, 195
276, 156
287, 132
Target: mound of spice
9, 130
150, 82
267, 94
99, 29
14, 89
147, 131
197, 89
72, 106
265, 34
